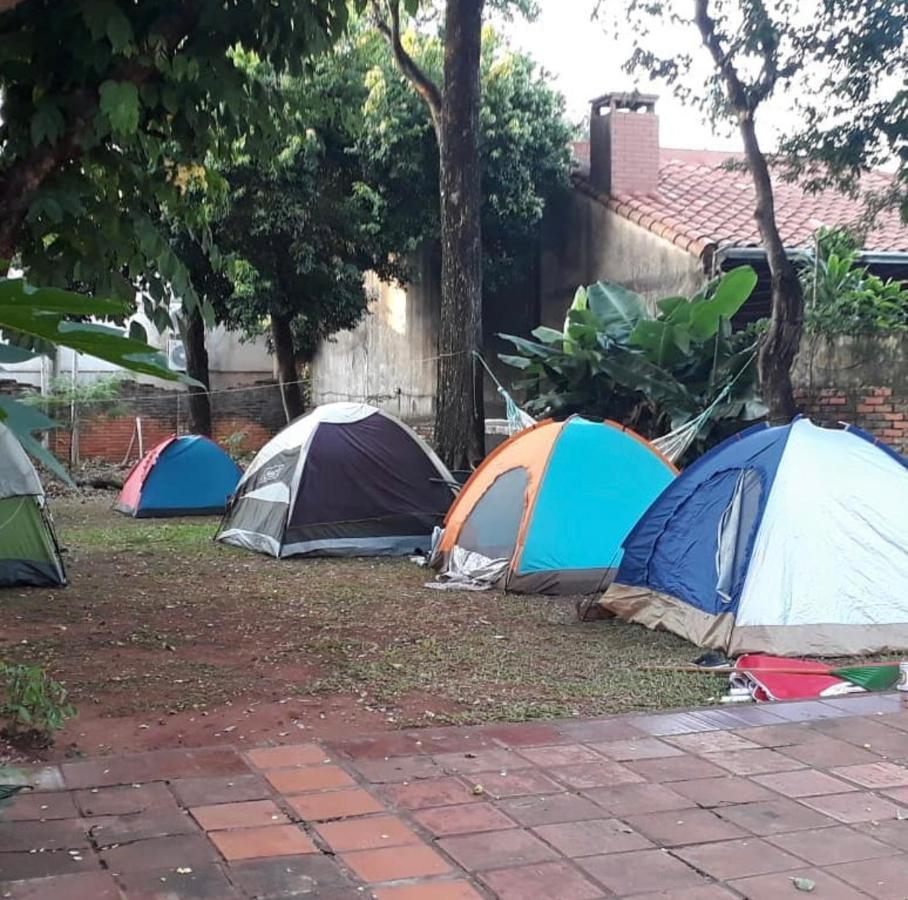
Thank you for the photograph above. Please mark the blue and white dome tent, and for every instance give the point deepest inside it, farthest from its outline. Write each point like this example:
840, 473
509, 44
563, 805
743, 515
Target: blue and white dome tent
790, 540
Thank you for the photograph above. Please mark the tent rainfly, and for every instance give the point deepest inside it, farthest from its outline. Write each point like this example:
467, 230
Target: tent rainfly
29, 554
547, 510
345, 480
182, 476
790, 540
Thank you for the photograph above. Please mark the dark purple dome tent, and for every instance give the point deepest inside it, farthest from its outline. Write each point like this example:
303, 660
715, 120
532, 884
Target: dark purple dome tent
345, 480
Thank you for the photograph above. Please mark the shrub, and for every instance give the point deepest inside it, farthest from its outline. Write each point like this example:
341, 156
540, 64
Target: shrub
32, 703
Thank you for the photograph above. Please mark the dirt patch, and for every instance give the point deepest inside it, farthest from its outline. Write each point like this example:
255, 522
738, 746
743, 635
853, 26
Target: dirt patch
165, 638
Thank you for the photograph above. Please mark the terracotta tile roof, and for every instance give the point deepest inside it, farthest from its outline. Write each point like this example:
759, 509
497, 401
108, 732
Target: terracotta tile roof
701, 205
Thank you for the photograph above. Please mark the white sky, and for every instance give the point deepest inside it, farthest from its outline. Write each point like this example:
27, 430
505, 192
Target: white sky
585, 58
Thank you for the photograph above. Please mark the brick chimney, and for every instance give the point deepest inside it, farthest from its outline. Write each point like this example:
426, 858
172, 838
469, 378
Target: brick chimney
624, 143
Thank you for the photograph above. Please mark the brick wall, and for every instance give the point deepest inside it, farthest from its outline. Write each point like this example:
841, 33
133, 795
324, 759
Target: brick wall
861, 380
252, 414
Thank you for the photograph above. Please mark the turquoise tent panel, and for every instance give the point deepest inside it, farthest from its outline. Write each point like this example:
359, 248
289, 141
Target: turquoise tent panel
620, 478
192, 474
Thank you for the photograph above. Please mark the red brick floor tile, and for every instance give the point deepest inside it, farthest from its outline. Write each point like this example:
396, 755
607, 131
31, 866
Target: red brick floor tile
515, 784
56, 834
247, 814
366, 833
868, 704
787, 735
782, 884
41, 805
686, 826
641, 870
222, 789
288, 756
900, 795
158, 765
530, 734
124, 799
550, 809
564, 755
41, 778
24, 865
462, 739
399, 769
588, 730
432, 792
875, 775
312, 778
257, 843
860, 806
627, 799
592, 837
496, 849
494, 759
544, 881
313, 876
896, 720
429, 890
711, 792
591, 775
472, 817
864, 733
82, 886
379, 746
806, 711
675, 768
661, 724
725, 860
641, 748
181, 851
711, 742
153, 823
334, 804
201, 883
893, 832
804, 783
756, 762
773, 817
826, 846
706, 892
395, 863
885, 879
830, 752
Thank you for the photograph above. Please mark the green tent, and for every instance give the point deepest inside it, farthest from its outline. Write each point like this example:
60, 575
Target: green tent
29, 554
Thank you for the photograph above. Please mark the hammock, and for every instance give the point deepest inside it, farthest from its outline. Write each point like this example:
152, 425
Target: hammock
517, 418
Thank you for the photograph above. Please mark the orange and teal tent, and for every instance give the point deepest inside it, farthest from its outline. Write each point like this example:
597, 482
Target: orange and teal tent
548, 510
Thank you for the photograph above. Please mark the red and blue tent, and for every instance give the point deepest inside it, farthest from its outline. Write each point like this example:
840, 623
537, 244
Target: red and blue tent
181, 476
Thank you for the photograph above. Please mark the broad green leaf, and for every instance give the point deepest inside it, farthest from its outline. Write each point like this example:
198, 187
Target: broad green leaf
22, 420
518, 362
547, 335
12, 354
668, 305
616, 307
722, 302
531, 347
120, 104
16, 293
47, 124
119, 30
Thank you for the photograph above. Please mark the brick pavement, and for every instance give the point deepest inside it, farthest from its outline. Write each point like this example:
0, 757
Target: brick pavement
694, 805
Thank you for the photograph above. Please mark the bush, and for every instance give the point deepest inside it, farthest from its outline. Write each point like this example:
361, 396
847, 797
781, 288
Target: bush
33, 704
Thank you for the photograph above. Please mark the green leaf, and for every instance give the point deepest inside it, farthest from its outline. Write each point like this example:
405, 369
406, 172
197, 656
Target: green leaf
119, 30
722, 301
47, 124
547, 335
22, 420
11, 354
616, 307
518, 362
120, 105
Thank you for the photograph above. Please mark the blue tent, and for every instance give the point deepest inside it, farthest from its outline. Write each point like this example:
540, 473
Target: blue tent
788, 540
548, 509
181, 476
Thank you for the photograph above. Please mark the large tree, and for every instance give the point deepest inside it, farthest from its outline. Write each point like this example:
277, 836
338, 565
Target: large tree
832, 60
110, 107
453, 105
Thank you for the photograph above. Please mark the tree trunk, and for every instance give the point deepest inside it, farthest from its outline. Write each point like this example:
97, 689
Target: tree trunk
780, 343
193, 334
288, 374
459, 419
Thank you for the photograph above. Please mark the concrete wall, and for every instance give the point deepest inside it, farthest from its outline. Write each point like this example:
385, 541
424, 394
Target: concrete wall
389, 358
862, 380
584, 241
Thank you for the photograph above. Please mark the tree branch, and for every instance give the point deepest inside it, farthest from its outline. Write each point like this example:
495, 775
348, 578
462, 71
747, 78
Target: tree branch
424, 86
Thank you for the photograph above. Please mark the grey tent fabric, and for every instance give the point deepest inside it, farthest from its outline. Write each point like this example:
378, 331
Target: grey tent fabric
29, 554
